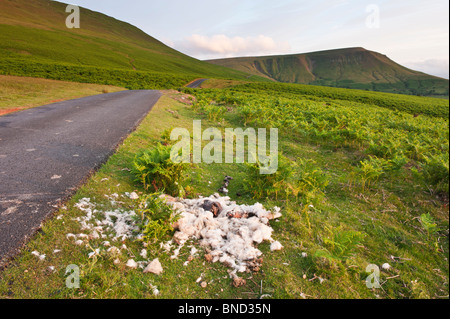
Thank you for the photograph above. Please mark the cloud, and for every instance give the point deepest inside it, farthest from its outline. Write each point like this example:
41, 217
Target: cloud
221, 46
435, 67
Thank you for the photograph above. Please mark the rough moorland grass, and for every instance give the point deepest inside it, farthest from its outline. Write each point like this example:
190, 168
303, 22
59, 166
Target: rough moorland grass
19, 93
417, 105
387, 212
130, 79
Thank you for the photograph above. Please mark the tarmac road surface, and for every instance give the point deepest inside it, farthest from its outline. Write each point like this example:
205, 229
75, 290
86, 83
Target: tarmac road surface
47, 152
195, 84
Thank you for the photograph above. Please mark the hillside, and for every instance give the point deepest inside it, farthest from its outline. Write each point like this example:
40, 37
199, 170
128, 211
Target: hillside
34, 32
355, 68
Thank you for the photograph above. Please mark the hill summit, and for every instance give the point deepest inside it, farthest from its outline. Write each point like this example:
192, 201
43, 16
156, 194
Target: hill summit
355, 68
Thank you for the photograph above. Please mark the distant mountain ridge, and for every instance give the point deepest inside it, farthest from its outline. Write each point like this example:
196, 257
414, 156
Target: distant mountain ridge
355, 68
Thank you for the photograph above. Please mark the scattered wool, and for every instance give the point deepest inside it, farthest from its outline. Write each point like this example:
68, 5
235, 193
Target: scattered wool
143, 253
166, 246
194, 251
79, 242
94, 235
386, 266
86, 206
37, 254
114, 251
98, 228
154, 290
177, 250
121, 223
133, 195
68, 236
228, 240
94, 253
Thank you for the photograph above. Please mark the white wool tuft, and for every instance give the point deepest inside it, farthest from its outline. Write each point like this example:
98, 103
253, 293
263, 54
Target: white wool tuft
386, 266
276, 246
132, 264
154, 267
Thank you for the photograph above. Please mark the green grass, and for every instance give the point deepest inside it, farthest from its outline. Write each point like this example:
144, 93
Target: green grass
388, 212
133, 80
19, 93
405, 103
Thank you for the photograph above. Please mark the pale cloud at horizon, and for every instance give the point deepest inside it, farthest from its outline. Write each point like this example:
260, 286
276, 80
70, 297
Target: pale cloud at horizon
436, 67
208, 47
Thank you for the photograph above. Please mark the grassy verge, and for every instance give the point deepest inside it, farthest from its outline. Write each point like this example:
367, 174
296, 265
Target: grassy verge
20, 93
388, 213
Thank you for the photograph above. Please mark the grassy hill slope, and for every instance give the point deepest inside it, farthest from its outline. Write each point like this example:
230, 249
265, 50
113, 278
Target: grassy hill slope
34, 32
355, 68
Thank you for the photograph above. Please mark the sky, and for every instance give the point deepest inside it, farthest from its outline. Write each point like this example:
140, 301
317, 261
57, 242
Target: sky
414, 33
